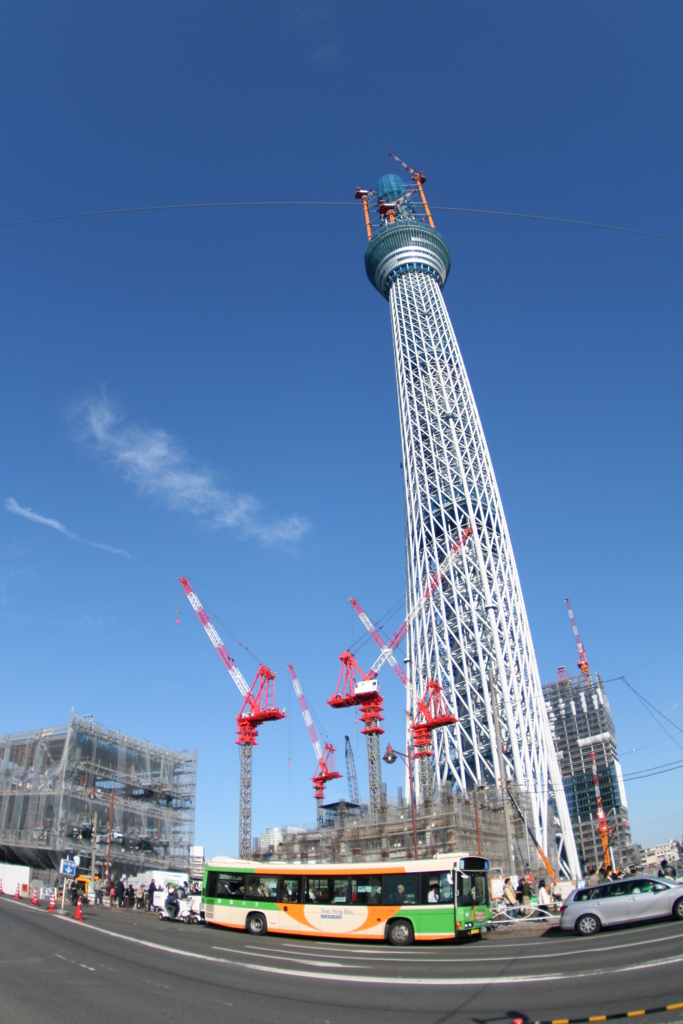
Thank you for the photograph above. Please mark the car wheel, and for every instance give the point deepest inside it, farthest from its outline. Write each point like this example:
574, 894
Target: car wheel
161, 916
588, 925
256, 924
678, 910
400, 933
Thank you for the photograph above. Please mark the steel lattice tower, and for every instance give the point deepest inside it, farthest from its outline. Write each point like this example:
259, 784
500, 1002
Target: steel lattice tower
476, 623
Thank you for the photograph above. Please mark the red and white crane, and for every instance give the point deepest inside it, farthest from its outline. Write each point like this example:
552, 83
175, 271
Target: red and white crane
364, 693
583, 660
603, 827
419, 178
325, 772
379, 639
258, 706
387, 648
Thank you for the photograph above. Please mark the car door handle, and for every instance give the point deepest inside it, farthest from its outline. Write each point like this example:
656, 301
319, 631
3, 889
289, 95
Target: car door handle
632, 899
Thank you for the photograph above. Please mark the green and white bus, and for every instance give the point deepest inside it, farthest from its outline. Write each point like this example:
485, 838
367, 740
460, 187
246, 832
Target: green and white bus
396, 901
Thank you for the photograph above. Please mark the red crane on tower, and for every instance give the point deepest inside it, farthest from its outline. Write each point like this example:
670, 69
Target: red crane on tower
325, 772
583, 660
258, 706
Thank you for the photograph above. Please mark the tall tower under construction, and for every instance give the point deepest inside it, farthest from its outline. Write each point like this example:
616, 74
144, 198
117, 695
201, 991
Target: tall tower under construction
472, 637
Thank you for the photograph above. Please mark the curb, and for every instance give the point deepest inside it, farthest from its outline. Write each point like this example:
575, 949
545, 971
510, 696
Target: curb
602, 1017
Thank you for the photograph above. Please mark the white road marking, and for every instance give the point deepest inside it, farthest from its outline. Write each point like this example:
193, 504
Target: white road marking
359, 979
498, 959
274, 956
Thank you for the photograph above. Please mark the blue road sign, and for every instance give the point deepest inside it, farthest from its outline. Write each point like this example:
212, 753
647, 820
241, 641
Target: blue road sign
68, 868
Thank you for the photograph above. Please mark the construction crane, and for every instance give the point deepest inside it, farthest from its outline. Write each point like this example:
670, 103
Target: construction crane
379, 639
548, 866
432, 713
583, 660
258, 706
419, 179
351, 772
364, 693
603, 827
387, 648
325, 771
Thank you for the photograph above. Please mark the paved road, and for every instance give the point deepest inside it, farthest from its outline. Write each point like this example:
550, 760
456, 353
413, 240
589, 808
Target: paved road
125, 965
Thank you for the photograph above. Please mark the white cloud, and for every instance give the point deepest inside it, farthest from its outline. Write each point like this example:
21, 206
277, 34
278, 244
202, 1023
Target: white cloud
12, 506
152, 460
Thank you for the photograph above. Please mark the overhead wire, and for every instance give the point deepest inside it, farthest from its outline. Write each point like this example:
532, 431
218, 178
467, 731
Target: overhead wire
329, 202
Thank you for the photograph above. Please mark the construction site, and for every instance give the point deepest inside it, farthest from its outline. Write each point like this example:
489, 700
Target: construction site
494, 764
481, 758
117, 804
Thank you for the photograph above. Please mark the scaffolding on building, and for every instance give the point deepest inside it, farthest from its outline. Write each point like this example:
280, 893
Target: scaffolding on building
81, 788
453, 821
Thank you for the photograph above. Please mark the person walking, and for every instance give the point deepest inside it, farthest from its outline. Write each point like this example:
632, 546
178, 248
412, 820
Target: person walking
150, 895
543, 895
120, 893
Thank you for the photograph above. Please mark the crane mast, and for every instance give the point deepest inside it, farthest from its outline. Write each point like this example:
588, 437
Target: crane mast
258, 706
351, 772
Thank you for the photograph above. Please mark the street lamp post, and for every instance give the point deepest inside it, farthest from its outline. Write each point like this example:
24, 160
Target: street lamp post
390, 758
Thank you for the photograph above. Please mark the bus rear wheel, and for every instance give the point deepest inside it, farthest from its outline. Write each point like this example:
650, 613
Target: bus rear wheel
256, 924
400, 933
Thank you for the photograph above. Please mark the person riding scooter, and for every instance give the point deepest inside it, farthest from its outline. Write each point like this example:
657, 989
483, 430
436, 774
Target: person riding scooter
172, 904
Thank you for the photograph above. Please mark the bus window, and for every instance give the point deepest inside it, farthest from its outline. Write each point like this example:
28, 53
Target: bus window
472, 888
340, 890
261, 887
318, 890
224, 885
291, 888
437, 887
401, 889
366, 890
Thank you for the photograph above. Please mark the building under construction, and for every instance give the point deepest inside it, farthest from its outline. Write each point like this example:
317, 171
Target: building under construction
581, 722
452, 822
80, 789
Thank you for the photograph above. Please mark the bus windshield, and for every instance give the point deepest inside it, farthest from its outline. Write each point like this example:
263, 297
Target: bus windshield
472, 888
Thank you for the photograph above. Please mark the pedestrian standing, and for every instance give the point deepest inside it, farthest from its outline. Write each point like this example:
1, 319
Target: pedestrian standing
509, 896
150, 895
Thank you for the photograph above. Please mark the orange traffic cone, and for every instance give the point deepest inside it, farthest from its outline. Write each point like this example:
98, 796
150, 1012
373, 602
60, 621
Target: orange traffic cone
34, 898
52, 906
78, 916
17, 892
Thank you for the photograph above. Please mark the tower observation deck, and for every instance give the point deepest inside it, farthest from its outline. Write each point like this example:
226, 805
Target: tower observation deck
473, 636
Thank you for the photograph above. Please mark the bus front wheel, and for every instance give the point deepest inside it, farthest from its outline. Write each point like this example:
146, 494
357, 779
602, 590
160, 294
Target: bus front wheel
400, 933
256, 924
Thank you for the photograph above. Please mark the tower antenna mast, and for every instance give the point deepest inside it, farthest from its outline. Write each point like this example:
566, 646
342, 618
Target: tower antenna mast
475, 620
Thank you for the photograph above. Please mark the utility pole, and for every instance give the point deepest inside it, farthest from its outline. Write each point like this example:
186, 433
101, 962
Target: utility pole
93, 850
503, 792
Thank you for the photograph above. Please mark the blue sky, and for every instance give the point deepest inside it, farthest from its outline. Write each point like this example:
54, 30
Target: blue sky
211, 392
